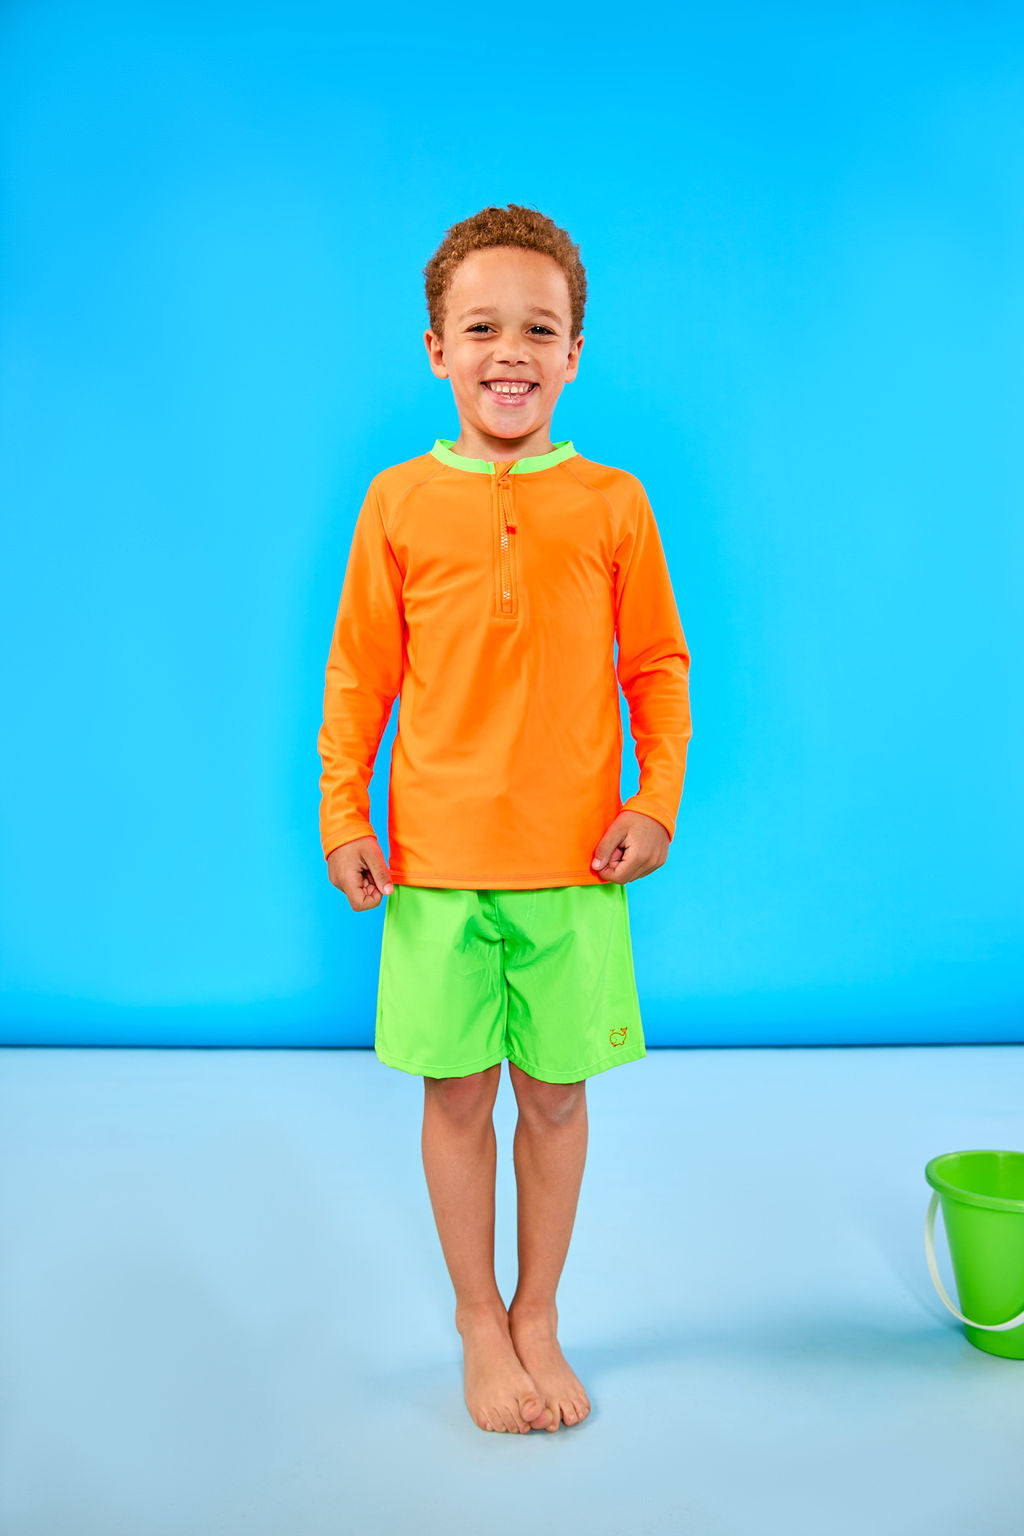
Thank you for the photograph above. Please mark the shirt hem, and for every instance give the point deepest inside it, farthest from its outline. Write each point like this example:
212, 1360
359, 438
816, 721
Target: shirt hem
497, 882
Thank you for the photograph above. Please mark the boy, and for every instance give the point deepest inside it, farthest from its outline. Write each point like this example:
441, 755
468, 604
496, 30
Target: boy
487, 583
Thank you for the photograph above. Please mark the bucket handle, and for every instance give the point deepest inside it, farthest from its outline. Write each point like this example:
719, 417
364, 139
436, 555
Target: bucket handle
929, 1248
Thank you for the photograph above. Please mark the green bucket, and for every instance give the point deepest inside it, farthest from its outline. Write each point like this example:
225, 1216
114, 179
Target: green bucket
982, 1197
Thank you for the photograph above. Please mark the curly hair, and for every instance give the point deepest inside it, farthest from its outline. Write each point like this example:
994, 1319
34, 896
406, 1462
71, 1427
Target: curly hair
517, 225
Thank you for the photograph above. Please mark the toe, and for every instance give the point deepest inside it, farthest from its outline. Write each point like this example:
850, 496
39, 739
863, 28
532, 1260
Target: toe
531, 1407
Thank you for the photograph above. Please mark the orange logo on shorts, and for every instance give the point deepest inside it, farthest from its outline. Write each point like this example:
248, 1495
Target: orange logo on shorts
618, 1036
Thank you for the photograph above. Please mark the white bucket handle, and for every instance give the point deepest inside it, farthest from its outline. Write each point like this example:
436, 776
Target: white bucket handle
929, 1249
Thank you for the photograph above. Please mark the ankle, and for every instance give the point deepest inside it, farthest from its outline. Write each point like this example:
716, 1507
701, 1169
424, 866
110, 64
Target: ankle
527, 1310
468, 1313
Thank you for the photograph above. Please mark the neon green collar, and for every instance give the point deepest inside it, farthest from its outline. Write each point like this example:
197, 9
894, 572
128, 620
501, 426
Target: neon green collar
442, 450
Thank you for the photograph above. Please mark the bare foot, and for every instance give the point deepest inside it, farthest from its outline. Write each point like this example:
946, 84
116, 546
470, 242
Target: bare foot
534, 1333
499, 1393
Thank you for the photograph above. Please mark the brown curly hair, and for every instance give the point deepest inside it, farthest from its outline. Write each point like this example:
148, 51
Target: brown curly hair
516, 225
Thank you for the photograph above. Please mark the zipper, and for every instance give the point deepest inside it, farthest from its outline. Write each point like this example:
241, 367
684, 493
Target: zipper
507, 598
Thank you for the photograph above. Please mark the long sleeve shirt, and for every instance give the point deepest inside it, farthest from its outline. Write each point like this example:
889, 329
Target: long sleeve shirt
489, 597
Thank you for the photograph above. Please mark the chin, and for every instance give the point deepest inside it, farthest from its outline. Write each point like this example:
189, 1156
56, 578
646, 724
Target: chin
510, 429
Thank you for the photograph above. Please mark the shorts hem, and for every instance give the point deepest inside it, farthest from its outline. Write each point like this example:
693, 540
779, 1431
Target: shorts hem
421, 1069
603, 1065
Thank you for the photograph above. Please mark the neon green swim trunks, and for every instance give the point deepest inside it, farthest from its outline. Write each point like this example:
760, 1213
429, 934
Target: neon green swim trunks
544, 977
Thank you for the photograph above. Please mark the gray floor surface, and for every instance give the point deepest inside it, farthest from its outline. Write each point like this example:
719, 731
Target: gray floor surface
224, 1307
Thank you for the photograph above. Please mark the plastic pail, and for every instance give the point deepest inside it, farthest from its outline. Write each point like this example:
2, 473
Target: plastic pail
982, 1198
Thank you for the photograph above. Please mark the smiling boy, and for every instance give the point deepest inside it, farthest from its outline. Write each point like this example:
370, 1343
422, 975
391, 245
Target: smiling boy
487, 584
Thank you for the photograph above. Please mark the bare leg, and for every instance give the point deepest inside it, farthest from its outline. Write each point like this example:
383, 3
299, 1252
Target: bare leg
550, 1151
459, 1160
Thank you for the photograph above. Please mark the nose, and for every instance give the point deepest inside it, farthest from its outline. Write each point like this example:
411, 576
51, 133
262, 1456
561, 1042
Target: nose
510, 349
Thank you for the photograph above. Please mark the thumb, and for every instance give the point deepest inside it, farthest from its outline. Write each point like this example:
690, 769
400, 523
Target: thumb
374, 861
607, 846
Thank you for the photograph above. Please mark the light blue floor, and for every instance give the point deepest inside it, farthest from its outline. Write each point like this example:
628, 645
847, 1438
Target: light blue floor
224, 1306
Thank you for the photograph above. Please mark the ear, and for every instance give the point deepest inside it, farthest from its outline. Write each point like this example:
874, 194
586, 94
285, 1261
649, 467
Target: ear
435, 353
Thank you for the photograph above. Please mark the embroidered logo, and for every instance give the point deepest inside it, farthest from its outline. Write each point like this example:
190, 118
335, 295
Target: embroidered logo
618, 1036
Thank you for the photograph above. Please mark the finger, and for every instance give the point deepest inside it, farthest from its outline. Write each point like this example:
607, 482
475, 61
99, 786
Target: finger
361, 892
613, 859
379, 874
624, 867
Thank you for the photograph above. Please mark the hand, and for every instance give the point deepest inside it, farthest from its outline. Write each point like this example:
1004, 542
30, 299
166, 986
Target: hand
633, 846
358, 868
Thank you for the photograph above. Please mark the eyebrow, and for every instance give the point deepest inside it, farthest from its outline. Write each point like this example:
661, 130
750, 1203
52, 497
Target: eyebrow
534, 309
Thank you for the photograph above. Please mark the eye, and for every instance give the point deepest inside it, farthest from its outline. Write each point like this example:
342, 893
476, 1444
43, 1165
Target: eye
482, 325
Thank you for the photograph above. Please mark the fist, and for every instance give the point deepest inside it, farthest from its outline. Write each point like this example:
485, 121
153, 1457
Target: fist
633, 846
359, 869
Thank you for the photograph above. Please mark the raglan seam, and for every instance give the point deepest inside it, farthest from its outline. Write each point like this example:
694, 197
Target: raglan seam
395, 505
596, 490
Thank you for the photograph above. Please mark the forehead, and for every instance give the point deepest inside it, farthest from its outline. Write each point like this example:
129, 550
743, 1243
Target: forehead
499, 276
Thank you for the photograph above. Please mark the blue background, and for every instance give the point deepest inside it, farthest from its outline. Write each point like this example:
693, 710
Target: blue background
803, 230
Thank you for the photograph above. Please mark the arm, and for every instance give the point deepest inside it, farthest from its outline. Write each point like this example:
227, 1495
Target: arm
364, 674
653, 667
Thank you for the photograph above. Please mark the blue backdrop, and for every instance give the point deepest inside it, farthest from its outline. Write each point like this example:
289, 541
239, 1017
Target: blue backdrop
803, 236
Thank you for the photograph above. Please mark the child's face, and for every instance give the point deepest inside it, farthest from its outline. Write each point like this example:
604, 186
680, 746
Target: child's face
507, 319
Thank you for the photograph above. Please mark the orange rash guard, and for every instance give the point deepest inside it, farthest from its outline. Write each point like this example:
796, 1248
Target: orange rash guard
490, 597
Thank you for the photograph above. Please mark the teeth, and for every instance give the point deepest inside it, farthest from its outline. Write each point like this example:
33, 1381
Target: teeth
508, 389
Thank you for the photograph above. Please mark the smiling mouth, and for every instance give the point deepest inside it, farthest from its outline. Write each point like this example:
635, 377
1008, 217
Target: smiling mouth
512, 392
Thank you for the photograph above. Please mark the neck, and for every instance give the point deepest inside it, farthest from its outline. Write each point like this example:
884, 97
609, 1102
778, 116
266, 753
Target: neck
474, 444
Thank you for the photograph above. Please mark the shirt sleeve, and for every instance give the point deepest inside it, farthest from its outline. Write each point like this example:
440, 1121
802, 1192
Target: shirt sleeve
653, 667
364, 675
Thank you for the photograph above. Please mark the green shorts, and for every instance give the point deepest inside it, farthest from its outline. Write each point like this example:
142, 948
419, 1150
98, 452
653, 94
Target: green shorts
544, 977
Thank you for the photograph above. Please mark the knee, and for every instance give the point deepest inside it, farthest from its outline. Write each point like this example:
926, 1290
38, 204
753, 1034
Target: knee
464, 1099
549, 1103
